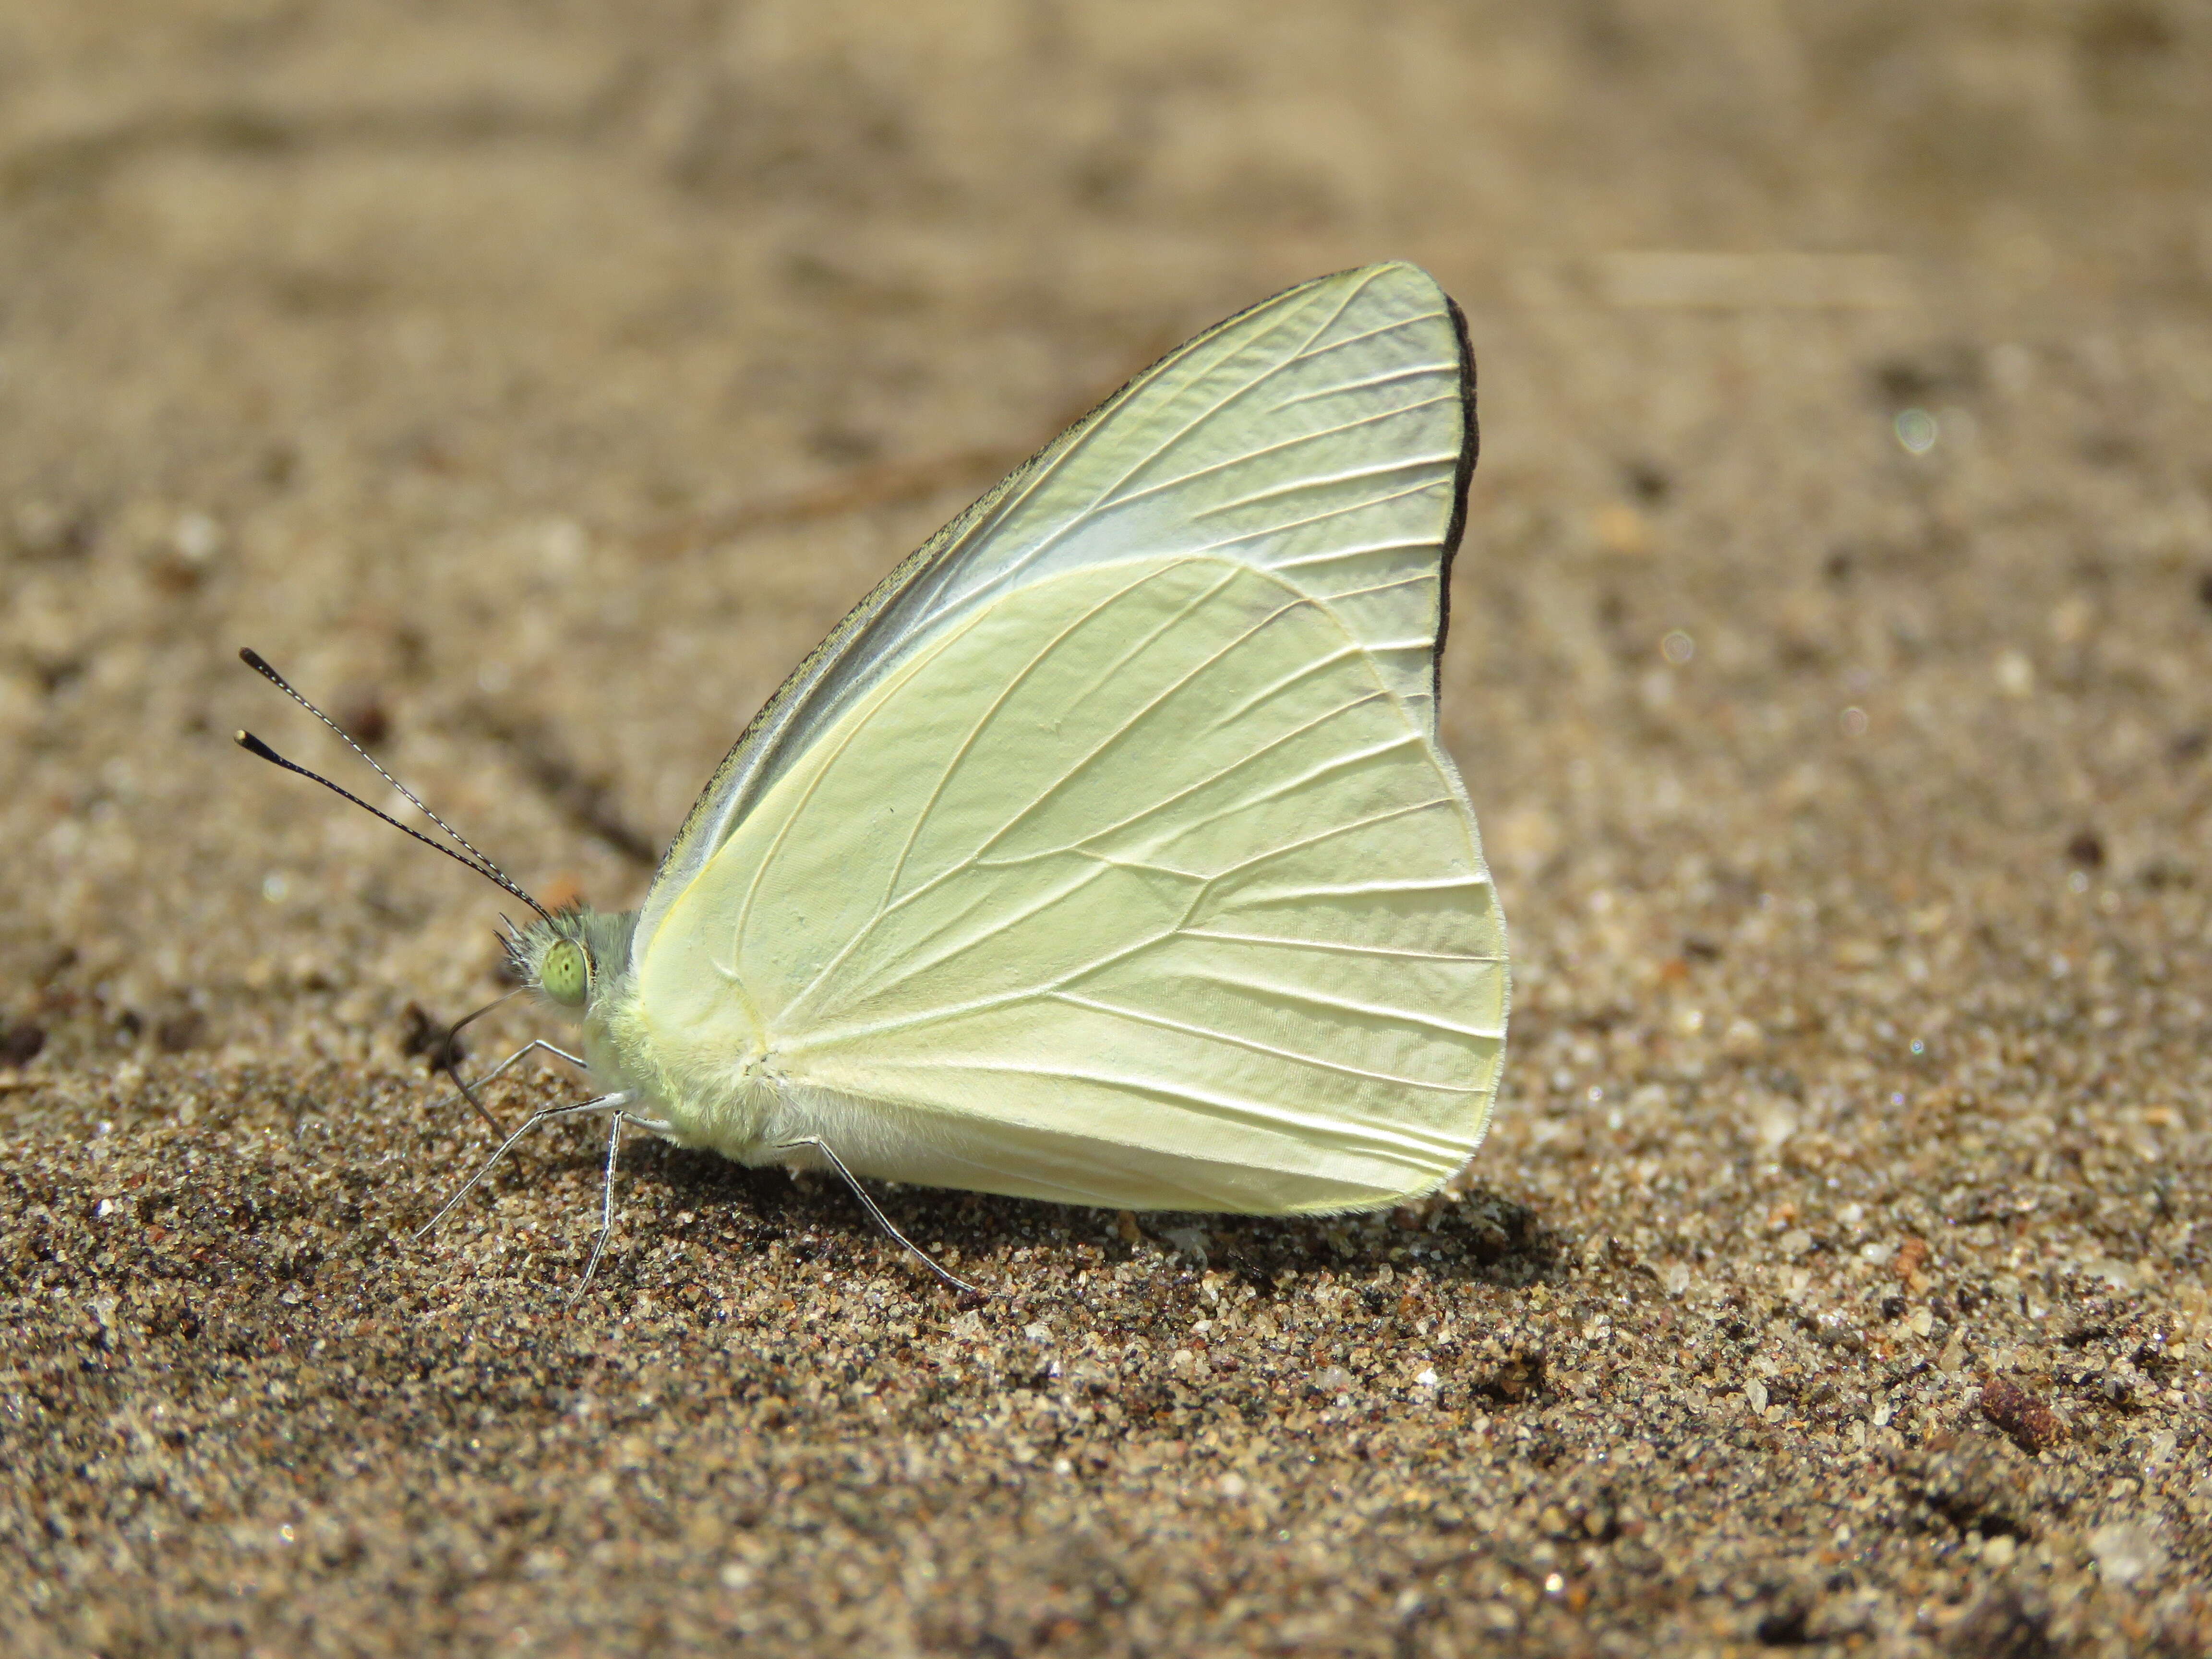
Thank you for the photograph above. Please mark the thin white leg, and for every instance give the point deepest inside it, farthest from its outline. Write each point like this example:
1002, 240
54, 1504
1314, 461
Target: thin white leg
613, 1102
468, 1090
606, 1205
875, 1211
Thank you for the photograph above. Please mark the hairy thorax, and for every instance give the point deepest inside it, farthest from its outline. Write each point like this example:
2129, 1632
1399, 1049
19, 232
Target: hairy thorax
713, 1094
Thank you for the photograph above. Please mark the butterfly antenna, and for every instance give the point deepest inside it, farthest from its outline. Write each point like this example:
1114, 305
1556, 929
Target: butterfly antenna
475, 860
254, 660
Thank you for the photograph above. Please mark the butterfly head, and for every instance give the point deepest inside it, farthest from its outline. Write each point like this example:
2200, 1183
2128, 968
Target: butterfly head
567, 957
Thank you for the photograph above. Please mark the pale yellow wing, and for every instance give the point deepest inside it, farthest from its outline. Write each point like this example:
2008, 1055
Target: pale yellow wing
1325, 435
1145, 884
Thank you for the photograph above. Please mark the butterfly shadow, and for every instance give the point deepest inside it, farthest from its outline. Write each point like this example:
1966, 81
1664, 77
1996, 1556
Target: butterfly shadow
1481, 1236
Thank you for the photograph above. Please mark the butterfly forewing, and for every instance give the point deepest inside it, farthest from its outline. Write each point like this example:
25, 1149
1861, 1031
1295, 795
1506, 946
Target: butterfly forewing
1326, 435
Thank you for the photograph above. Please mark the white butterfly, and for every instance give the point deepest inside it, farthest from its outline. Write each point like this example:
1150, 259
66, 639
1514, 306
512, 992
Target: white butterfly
1107, 853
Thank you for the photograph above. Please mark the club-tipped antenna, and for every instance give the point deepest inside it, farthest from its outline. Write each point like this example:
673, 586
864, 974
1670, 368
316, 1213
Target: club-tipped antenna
475, 860
259, 664
253, 745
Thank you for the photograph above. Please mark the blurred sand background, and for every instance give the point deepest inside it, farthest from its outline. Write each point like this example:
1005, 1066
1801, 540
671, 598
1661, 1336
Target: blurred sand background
536, 382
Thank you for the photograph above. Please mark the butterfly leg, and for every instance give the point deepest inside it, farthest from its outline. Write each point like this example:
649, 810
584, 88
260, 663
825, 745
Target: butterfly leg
613, 1102
554, 1049
607, 1195
875, 1211
606, 1200
468, 1089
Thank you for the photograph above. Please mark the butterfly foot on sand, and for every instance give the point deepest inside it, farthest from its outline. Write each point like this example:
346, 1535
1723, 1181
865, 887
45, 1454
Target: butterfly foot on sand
1107, 851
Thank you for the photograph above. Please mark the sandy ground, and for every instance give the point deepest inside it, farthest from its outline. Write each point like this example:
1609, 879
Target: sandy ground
536, 382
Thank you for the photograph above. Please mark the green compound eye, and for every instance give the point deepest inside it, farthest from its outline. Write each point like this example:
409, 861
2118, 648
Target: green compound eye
564, 974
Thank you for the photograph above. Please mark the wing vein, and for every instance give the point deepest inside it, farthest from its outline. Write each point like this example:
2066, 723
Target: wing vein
1340, 948
1329, 834
1109, 501
1383, 470
1253, 1045
1216, 777
1084, 438
1427, 486
1128, 724
1413, 1151
1313, 998
962, 750
1379, 330
1338, 388
1365, 549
